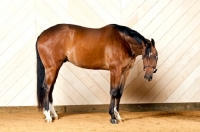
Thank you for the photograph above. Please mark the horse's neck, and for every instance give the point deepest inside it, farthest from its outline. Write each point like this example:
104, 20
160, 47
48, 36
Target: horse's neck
134, 46
136, 49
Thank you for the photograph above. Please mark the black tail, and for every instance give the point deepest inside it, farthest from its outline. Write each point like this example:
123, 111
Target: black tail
40, 80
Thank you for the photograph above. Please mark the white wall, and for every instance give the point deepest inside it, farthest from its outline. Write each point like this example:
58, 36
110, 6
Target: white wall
174, 25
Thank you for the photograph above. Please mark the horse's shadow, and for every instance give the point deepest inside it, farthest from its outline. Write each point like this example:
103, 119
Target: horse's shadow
167, 114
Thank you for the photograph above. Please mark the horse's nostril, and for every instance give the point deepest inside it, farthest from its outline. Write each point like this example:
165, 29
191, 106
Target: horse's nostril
150, 78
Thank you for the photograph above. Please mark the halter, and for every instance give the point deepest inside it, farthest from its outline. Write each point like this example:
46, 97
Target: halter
154, 68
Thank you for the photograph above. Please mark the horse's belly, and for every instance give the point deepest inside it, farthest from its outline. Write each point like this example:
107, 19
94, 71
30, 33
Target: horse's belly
88, 60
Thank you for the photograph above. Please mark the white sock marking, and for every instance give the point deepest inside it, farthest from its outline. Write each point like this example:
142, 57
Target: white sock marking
117, 116
51, 107
48, 117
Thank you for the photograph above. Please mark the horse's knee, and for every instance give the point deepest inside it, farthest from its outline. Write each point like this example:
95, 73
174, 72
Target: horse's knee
116, 93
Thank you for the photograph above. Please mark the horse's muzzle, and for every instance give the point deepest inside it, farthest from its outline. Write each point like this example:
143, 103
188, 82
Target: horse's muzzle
148, 77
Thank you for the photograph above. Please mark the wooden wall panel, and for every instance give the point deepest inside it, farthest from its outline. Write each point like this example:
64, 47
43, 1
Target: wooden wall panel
17, 37
174, 25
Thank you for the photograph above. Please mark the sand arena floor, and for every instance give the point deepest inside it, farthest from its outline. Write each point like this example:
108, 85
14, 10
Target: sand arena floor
176, 121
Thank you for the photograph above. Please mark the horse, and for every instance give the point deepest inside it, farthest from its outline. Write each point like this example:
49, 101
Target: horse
112, 47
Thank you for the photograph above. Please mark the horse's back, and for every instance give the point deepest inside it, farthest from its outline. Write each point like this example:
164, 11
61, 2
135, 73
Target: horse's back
84, 47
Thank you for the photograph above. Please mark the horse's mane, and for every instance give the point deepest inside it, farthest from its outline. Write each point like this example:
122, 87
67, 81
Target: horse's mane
132, 33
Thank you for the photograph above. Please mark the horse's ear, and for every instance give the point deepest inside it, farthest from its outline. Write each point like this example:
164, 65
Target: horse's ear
153, 42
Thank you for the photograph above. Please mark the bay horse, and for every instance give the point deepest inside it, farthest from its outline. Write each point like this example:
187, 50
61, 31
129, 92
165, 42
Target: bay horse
112, 47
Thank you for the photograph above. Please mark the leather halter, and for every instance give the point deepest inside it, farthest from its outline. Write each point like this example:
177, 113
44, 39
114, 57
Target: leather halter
154, 67
151, 67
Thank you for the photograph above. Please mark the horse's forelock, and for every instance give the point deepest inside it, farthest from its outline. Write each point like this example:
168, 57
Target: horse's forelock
148, 49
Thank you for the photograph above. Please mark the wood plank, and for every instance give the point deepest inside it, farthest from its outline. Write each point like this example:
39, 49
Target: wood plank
17, 59
190, 92
127, 11
42, 22
99, 79
105, 74
180, 30
17, 16
150, 15
112, 10
129, 14
5, 5
104, 108
132, 88
196, 97
101, 12
31, 100
18, 86
16, 32
17, 45
117, 3
70, 90
62, 97
81, 16
8, 8
184, 86
161, 17
163, 35
89, 83
58, 9
167, 91
47, 12
17, 74
24, 94
78, 85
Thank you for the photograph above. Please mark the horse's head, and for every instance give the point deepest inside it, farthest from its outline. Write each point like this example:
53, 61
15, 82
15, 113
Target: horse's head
150, 58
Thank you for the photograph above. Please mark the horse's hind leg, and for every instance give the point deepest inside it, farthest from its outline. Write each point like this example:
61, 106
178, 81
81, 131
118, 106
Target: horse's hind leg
51, 107
50, 77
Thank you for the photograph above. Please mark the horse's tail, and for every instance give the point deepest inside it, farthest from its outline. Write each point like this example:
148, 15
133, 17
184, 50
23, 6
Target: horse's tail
40, 80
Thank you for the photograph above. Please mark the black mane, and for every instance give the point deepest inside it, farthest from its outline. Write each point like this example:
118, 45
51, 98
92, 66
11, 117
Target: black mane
132, 33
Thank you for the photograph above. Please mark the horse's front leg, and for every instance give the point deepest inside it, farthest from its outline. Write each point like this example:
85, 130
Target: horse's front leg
122, 84
116, 110
111, 110
115, 76
116, 93
114, 106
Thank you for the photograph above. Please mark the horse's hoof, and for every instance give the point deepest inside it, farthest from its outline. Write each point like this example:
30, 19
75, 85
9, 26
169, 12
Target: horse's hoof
48, 120
119, 120
55, 118
113, 121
